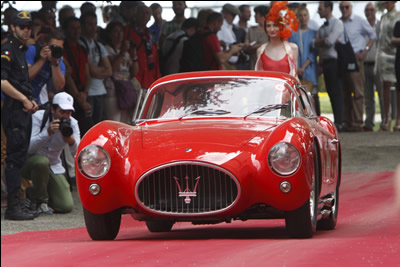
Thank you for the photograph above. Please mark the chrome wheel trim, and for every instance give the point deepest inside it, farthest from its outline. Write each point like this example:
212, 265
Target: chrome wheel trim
334, 209
312, 202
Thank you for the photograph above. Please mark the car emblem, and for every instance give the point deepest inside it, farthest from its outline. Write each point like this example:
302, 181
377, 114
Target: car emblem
188, 150
187, 193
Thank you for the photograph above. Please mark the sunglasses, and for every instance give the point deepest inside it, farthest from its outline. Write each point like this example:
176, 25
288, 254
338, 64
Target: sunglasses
369, 9
344, 7
24, 26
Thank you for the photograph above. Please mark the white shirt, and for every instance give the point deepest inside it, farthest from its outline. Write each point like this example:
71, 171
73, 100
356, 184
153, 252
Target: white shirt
332, 30
359, 32
96, 86
51, 146
227, 35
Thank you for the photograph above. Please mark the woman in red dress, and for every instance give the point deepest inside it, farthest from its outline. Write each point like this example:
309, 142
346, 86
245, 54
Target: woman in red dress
278, 54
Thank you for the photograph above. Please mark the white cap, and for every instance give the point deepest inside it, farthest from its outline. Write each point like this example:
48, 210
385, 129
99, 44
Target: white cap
64, 101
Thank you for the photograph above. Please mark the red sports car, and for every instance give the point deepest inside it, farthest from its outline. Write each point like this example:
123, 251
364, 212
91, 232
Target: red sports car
212, 147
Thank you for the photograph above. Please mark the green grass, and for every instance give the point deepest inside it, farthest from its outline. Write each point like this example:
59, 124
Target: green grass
326, 107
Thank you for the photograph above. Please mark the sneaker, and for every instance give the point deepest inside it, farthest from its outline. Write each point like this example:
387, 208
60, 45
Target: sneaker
44, 209
38, 209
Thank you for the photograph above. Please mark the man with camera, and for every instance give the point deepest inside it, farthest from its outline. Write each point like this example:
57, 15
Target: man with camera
46, 66
52, 129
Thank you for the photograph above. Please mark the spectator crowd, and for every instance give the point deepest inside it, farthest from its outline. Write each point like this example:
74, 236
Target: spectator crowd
92, 74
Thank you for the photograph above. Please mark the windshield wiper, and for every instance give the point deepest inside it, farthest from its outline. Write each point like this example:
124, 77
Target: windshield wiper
266, 109
206, 112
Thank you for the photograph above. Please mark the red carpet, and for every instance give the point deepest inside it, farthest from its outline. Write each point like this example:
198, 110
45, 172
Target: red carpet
367, 234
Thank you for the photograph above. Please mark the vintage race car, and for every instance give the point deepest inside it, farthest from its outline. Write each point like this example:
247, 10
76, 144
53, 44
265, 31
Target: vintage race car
213, 147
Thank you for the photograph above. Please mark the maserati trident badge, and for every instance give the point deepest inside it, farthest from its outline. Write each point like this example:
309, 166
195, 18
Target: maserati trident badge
187, 193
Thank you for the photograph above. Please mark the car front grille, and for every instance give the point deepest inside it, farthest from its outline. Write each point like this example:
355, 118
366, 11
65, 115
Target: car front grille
187, 188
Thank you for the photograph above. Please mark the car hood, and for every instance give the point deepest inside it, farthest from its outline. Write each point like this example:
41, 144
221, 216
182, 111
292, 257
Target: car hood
207, 132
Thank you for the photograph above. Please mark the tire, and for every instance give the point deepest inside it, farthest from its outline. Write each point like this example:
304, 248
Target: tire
302, 222
159, 226
102, 226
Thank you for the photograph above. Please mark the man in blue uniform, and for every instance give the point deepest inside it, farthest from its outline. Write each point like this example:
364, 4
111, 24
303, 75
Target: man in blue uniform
16, 115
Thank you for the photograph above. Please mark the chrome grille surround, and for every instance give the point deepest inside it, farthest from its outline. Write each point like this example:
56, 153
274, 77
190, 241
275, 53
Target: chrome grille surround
175, 189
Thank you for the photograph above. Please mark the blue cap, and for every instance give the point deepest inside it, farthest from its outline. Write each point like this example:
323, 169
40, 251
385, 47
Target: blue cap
20, 18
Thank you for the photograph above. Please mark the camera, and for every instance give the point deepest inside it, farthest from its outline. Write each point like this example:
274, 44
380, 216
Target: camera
65, 127
56, 51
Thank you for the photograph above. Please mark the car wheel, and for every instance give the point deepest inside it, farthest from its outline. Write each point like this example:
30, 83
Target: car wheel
302, 222
159, 226
102, 226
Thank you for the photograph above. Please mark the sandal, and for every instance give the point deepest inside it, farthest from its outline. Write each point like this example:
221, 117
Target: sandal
396, 128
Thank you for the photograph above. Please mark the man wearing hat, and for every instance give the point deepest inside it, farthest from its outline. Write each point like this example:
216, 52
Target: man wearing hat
17, 110
230, 34
52, 129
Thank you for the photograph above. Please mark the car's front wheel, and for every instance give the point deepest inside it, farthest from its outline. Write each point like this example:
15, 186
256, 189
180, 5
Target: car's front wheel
302, 222
159, 226
102, 226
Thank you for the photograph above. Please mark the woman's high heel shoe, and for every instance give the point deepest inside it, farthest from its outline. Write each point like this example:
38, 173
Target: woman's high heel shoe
385, 127
396, 128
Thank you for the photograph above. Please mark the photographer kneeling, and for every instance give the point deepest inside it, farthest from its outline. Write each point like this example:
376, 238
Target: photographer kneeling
52, 129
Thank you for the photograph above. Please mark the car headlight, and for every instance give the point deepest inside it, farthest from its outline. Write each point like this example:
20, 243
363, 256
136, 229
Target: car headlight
94, 161
284, 158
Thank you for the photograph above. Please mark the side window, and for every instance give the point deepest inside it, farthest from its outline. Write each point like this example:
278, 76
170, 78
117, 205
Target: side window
155, 106
311, 102
307, 102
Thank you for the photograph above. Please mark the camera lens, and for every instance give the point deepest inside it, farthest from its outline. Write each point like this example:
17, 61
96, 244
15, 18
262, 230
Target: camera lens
56, 51
65, 127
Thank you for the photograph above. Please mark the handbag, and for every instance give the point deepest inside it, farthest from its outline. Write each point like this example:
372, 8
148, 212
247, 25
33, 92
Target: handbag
126, 94
346, 57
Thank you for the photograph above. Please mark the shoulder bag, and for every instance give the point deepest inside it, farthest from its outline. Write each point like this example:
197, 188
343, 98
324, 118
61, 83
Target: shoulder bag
346, 58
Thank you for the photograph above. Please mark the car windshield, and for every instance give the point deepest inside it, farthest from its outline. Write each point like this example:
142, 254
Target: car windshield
230, 97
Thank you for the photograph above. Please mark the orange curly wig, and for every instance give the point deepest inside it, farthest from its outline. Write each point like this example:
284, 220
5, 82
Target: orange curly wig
284, 17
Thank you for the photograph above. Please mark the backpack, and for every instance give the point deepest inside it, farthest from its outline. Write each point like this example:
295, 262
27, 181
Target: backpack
192, 54
164, 58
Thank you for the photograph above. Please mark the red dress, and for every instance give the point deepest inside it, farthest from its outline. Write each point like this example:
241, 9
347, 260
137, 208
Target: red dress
273, 65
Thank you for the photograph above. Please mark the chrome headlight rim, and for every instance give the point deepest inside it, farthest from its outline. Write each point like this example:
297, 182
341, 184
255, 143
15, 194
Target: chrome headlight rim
273, 166
86, 150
